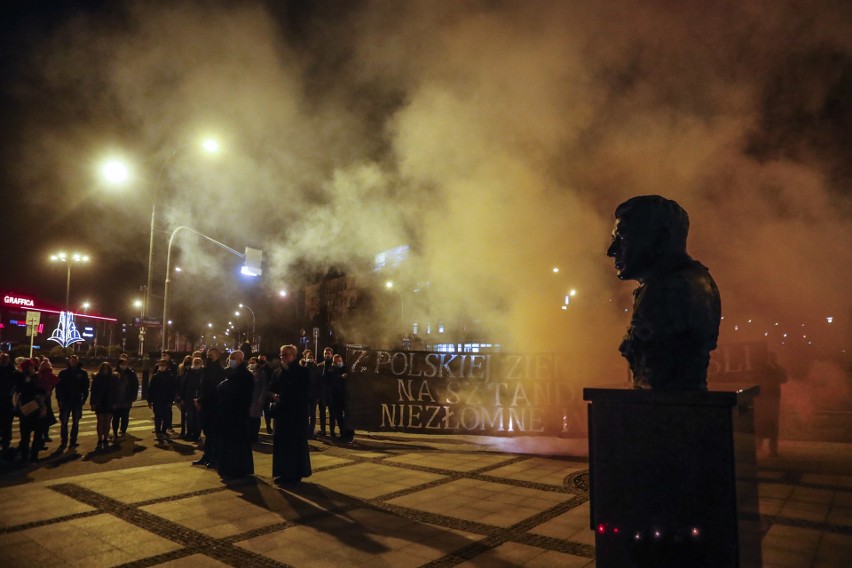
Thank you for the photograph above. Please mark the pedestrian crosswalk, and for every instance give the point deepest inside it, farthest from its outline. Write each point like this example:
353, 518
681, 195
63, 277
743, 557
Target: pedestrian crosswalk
89, 424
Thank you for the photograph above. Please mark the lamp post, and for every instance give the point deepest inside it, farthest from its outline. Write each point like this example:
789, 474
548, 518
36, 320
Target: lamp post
139, 305
169, 266
69, 260
115, 172
253, 323
389, 286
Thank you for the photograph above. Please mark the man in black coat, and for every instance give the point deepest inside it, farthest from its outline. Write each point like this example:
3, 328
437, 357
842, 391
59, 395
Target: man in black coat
206, 401
291, 459
72, 390
234, 396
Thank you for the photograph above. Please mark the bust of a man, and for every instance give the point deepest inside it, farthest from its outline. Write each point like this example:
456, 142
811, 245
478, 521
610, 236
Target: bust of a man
676, 308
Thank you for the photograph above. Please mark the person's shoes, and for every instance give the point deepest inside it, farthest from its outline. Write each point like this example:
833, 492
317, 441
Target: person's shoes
322, 433
62, 446
73, 444
200, 462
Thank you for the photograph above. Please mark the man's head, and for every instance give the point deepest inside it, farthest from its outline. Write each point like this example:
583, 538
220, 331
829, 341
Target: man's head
338, 360
73, 361
236, 358
327, 353
163, 364
197, 363
648, 229
288, 354
213, 354
166, 355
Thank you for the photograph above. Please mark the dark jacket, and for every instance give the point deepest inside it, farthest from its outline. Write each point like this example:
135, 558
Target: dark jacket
234, 400
292, 385
73, 386
125, 388
103, 393
162, 388
27, 392
188, 388
210, 379
9, 378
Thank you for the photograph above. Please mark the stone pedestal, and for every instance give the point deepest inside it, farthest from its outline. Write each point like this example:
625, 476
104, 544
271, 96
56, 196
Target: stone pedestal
673, 478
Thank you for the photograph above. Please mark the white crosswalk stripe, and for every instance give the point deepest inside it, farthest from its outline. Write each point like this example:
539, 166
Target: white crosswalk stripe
89, 424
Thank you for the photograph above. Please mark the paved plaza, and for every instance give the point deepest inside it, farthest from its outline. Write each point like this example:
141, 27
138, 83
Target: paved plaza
387, 500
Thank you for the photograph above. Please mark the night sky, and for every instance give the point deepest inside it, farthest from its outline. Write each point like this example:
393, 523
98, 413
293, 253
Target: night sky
493, 137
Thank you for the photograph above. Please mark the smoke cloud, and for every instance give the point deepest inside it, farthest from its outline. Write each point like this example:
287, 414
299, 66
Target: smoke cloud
495, 138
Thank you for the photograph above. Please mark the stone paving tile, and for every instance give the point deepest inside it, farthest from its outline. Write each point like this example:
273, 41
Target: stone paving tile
192, 561
840, 515
572, 525
790, 546
32, 504
360, 480
221, 514
481, 501
835, 551
359, 537
449, 460
143, 484
515, 554
100, 540
539, 470
832, 480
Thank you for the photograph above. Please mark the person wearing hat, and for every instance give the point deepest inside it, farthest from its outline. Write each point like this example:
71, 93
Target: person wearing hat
161, 394
126, 390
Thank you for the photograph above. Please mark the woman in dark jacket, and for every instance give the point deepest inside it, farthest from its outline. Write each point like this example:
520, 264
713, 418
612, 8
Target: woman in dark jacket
101, 399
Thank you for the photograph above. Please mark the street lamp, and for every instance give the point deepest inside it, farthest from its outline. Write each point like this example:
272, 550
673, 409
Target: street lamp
389, 286
253, 322
69, 260
169, 264
117, 173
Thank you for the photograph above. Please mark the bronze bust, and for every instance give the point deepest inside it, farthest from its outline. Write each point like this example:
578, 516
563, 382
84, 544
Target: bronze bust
676, 308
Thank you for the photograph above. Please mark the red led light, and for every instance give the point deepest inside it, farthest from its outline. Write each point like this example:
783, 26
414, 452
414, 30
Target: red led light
695, 531
601, 528
615, 530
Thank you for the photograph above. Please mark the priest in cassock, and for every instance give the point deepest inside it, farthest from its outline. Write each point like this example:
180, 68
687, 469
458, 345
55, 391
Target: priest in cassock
234, 399
289, 389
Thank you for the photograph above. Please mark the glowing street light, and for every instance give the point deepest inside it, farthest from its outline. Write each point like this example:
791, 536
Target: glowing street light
253, 321
116, 172
69, 260
282, 293
389, 286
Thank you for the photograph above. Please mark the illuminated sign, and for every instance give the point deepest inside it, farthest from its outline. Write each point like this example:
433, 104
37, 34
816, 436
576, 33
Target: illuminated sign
18, 301
66, 332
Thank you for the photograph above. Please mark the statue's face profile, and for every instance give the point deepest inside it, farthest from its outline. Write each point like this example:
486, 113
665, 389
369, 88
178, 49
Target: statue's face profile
632, 249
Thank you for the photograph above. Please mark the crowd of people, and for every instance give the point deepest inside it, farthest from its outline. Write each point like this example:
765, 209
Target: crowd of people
220, 407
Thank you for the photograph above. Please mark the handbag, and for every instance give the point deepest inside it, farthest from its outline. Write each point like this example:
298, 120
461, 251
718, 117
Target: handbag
29, 408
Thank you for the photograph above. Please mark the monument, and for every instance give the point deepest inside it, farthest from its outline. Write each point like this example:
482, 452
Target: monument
672, 466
